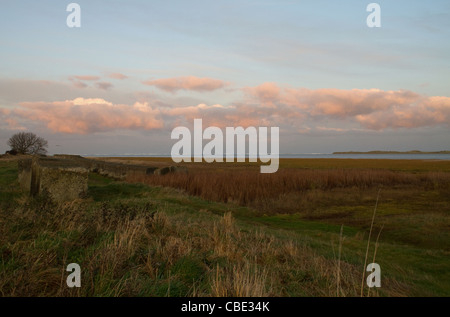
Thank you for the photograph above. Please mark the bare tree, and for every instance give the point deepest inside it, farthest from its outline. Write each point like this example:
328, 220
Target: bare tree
28, 143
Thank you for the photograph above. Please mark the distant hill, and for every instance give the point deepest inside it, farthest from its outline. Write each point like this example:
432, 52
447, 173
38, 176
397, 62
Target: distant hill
393, 152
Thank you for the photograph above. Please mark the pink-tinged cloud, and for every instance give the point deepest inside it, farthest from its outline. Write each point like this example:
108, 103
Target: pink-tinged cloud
4, 112
9, 122
190, 111
371, 108
103, 85
212, 115
268, 93
118, 76
299, 110
348, 103
13, 124
87, 77
428, 111
186, 83
84, 116
79, 84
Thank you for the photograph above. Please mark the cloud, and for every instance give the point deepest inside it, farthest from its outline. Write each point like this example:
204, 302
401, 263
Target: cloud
78, 82
83, 116
429, 111
13, 91
87, 77
9, 122
373, 109
268, 93
103, 85
212, 115
90, 101
117, 76
297, 110
186, 83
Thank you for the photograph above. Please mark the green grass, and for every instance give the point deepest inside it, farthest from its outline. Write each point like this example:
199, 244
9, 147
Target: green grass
428, 268
138, 240
8, 183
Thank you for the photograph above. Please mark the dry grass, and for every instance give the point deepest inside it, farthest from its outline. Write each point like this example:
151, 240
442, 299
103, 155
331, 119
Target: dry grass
160, 242
313, 163
250, 188
135, 251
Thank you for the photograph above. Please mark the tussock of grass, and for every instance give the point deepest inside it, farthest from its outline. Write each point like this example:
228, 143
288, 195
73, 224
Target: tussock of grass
251, 188
136, 240
147, 249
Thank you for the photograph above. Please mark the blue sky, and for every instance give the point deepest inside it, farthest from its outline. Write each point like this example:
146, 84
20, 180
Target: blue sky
302, 48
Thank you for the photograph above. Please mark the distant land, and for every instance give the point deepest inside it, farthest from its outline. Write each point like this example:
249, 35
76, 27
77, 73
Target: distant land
393, 152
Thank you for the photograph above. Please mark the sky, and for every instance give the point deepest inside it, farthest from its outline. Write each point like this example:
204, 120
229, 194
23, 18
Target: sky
135, 70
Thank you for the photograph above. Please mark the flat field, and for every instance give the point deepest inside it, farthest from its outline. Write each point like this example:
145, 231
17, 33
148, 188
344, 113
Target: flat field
224, 229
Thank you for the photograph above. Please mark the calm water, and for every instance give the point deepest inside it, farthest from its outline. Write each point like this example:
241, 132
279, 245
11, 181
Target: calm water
373, 156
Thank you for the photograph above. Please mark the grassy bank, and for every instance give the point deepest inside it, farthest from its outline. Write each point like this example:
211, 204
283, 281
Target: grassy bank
136, 239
